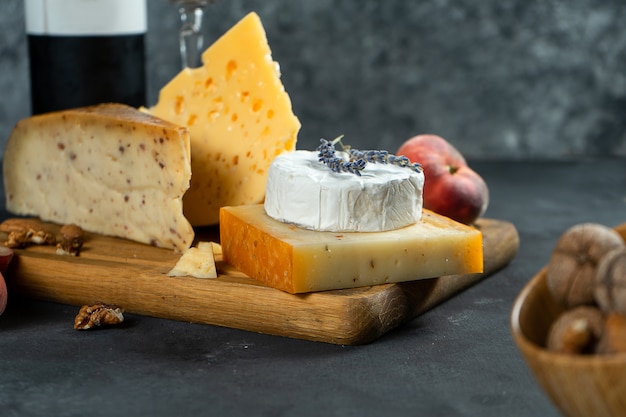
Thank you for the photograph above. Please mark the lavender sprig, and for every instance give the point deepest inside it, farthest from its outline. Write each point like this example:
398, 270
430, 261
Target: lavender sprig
358, 159
384, 157
327, 156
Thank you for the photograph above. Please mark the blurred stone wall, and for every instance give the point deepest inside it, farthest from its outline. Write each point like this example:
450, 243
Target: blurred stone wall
513, 79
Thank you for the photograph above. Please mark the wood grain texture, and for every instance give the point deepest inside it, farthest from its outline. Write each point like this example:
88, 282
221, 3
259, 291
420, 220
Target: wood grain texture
133, 276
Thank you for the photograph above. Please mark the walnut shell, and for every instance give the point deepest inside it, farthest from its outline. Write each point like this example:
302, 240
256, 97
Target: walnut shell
613, 338
576, 331
610, 285
571, 272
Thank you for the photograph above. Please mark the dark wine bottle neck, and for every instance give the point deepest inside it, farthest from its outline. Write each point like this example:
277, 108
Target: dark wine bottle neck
74, 71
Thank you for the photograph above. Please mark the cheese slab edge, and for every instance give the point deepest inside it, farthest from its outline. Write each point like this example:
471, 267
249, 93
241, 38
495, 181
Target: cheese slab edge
298, 260
304, 191
239, 115
110, 169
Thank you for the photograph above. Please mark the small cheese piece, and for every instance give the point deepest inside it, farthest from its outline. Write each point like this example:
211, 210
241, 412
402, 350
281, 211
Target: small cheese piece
216, 247
109, 169
303, 191
240, 118
197, 262
298, 260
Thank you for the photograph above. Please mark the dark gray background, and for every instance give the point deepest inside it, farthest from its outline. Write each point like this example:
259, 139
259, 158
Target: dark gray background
499, 79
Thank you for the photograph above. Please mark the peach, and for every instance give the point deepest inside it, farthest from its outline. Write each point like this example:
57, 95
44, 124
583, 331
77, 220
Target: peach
3, 294
451, 187
6, 254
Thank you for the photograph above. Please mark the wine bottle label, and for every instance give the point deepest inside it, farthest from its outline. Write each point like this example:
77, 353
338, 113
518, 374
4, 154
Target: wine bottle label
85, 17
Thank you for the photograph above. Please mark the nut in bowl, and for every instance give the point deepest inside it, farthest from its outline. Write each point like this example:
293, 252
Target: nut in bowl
580, 385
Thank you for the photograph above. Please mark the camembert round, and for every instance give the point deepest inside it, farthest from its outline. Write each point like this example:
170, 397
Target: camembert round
303, 191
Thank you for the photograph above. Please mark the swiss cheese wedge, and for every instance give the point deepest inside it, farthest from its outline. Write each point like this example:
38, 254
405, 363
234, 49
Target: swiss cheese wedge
297, 260
239, 116
110, 169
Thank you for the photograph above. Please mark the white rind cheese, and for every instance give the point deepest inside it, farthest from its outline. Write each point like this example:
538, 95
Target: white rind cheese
305, 192
109, 169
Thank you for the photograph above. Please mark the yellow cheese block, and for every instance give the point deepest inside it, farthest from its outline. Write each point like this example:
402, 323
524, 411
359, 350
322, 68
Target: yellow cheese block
198, 262
110, 169
297, 260
239, 116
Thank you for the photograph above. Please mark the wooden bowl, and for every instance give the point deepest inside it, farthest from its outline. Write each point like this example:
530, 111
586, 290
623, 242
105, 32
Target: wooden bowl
579, 385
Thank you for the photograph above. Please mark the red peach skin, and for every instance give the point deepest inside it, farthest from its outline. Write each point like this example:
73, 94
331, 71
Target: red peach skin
451, 187
6, 254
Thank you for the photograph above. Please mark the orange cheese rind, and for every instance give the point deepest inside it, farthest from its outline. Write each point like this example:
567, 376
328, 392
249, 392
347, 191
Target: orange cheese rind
297, 260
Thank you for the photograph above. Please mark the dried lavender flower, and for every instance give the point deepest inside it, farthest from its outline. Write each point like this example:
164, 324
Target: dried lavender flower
384, 157
358, 159
328, 156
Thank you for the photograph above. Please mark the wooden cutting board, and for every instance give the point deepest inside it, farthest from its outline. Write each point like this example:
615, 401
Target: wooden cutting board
133, 276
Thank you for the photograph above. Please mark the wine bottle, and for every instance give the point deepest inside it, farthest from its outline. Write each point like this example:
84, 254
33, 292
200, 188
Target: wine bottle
86, 52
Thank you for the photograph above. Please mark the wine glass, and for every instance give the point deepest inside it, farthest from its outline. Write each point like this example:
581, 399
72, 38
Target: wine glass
191, 39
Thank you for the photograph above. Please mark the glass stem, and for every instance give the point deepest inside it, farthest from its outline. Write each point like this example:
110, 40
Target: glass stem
191, 39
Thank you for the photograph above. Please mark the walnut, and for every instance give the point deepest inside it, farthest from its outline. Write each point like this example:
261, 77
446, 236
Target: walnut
99, 314
24, 232
576, 331
613, 338
71, 240
572, 267
610, 286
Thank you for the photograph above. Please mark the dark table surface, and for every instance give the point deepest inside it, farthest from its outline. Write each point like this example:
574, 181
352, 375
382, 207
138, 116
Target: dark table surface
458, 359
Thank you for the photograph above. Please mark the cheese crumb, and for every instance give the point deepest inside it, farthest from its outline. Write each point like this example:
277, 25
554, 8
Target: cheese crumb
197, 262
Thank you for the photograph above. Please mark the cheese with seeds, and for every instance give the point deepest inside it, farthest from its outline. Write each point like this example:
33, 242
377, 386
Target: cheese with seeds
239, 116
298, 260
109, 169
